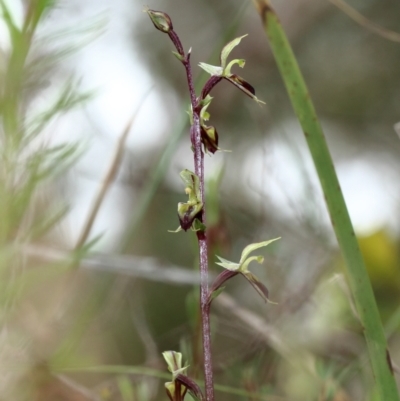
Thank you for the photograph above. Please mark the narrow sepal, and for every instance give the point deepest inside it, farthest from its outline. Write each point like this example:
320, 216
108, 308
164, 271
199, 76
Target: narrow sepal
173, 359
219, 281
191, 386
244, 86
191, 180
257, 285
227, 264
211, 69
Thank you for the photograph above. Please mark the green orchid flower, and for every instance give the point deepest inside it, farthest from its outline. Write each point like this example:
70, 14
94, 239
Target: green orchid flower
224, 70
232, 269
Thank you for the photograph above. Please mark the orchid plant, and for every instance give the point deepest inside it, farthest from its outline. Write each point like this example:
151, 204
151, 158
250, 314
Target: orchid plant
191, 214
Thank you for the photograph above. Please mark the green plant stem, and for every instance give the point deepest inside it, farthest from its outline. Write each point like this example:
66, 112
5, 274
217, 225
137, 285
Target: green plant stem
145, 371
355, 268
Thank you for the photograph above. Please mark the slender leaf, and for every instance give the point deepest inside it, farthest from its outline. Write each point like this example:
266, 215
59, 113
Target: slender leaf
357, 275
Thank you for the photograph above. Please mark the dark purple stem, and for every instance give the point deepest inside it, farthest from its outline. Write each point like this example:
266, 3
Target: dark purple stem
195, 134
212, 81
176, 41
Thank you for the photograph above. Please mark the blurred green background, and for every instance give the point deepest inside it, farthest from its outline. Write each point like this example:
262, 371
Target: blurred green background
90, 322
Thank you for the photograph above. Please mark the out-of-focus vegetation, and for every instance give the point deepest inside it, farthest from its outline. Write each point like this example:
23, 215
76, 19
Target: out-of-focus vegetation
356, 273
76, 325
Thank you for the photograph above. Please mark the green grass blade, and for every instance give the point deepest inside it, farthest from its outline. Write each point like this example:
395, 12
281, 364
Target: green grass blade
355, 268
145, 371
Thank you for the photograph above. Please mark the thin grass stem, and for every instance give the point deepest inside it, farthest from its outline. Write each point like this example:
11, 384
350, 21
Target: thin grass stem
108, 179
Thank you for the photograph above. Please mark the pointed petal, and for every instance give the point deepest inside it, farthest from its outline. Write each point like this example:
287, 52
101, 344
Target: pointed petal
252, 247
212, 69
192, 186
226, 264
228, 48
173, 359
190, 179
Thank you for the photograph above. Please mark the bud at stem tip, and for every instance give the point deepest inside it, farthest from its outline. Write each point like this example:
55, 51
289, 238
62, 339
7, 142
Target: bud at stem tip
161, 20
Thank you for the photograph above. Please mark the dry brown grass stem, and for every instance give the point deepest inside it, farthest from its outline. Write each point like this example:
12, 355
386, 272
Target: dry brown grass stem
108, 179
365, 22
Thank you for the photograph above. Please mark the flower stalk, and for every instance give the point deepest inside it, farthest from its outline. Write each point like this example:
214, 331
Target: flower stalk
165, 25
192, 214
